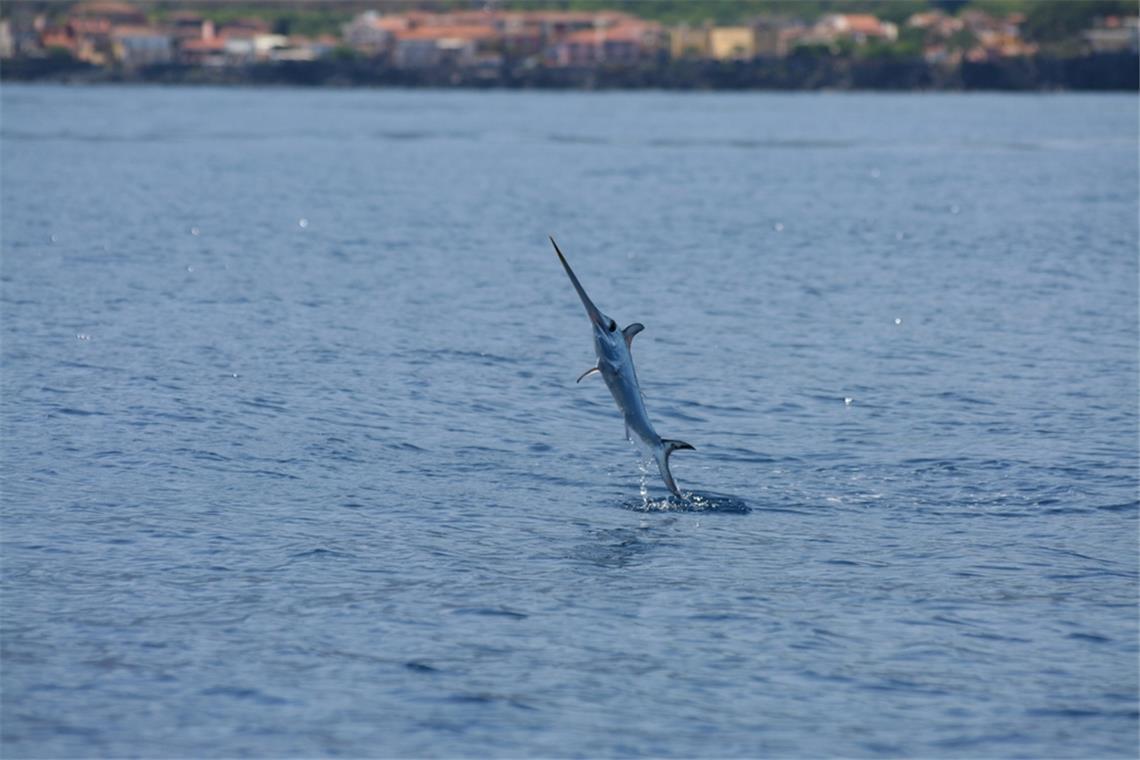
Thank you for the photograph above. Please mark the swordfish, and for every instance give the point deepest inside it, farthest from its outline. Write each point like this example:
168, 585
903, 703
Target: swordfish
615, 365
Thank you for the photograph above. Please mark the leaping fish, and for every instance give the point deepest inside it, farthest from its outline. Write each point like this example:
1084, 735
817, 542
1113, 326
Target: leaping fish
615, 364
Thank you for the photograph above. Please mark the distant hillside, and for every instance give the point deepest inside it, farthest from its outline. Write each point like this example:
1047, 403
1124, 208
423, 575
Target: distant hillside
1047, 21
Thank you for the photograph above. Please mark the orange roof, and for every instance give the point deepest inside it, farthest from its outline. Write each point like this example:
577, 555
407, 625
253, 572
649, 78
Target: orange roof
579, 16
447, 33
137, 31
640, 28
238, 34
863, 23
390, 23
469, 18
90, 25
57, 39
205, 46
583, 36
620, 33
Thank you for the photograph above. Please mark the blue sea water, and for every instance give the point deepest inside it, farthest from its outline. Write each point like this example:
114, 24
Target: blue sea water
294, 463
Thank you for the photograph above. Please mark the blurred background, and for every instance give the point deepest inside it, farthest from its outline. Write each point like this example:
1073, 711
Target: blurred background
693, 44
294, 463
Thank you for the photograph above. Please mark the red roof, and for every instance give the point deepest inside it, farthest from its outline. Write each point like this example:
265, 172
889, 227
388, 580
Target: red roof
863, 23
215, 45
137, 31
58, 39
390, 23
90, 25
447, 33
620, 33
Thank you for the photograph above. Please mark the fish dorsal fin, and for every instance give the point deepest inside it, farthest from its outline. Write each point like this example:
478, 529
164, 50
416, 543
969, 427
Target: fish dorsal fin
630, 331
586, 374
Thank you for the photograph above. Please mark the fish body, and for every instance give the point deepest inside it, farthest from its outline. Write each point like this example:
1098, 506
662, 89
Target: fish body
615, 365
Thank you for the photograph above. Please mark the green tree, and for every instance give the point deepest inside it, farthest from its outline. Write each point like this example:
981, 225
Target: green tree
1060, 20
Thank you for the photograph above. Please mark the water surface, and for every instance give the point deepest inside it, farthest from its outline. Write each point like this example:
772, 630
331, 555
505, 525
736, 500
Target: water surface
294, 463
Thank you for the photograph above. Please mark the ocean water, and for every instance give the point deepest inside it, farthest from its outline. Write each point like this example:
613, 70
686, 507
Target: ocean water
294, 463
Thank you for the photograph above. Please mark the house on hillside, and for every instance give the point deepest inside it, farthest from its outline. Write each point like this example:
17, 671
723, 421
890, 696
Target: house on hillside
858, 27
732, 43
624, 43
141, 45
186, 25
723, 43
431, 46
688, 42
58, 38
1114, 34
373, 34
211, 52
7, 41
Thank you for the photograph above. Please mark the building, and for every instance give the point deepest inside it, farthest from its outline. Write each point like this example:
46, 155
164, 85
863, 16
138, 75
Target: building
92, 39
688, 42
211, 52
1114, 35
265, 46
373, 34
858, 27
58, 39
722, 43
185, 25
7, 42
430, 46
732, 43
141, 45
936, 24
770, 35
624, 43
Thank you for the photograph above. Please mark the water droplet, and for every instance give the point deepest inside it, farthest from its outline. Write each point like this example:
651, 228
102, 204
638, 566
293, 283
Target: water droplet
847, 400
195, 231
898, 320
778, 226
302, 223
233, 374
53, 238
189, 269
82, 336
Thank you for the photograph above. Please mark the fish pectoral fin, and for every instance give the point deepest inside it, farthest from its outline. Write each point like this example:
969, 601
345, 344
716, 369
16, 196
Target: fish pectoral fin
630, 331
586, 374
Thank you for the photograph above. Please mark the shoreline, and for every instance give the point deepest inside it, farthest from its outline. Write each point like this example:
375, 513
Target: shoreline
1094, 73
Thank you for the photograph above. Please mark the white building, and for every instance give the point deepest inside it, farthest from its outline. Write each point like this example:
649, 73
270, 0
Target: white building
7, 45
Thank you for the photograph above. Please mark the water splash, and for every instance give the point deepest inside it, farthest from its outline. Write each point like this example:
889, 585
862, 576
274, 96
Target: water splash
643, 489
689, 501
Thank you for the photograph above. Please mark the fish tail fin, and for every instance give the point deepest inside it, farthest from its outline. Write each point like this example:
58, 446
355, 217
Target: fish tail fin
662, 453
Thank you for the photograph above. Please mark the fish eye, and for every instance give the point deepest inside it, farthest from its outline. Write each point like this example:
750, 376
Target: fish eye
613, 325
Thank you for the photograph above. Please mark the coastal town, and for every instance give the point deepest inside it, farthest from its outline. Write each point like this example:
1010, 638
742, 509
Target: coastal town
486, 42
